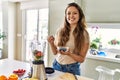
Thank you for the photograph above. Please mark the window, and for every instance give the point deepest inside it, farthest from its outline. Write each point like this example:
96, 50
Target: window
106, 34
36, 28
1, 29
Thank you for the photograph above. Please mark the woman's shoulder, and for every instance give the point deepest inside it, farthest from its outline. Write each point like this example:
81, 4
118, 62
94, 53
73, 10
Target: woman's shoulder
58, 31
86, 34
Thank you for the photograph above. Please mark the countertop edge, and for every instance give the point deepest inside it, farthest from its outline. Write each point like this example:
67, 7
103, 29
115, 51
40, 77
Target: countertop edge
104, 58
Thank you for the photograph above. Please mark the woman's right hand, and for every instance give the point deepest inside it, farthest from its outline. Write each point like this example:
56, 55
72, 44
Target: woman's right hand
50, 39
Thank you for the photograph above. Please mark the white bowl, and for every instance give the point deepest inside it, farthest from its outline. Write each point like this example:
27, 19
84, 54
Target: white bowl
63, 48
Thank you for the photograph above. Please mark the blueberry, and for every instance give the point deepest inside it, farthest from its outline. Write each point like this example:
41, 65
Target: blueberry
63, 49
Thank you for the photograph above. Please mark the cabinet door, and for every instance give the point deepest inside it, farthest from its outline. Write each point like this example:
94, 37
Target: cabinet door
101, 10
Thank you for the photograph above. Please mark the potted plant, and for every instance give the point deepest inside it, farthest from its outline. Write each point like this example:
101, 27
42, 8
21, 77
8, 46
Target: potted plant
2, 35
93, 45
93, 48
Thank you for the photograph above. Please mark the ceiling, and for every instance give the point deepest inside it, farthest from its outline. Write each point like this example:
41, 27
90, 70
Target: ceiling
18, 0
21, 0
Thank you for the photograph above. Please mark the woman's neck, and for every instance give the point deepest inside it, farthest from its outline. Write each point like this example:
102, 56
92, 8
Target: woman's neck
72, 27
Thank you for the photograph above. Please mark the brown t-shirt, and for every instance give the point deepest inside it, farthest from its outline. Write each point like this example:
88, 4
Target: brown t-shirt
65, 59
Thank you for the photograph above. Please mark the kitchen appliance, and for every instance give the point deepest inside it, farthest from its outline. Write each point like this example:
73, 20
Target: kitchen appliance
38, 70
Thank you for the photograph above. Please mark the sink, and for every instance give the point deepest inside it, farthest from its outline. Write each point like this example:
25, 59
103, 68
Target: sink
117, 56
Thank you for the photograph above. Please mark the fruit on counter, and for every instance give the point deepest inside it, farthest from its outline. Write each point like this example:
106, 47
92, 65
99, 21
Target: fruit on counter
19, 72
13, 77
3, 77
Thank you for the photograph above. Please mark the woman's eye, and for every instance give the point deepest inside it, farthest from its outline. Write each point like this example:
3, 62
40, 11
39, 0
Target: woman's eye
75, 13
68, 13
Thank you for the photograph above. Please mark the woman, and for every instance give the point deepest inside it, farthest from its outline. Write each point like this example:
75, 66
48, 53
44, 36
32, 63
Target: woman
73, 35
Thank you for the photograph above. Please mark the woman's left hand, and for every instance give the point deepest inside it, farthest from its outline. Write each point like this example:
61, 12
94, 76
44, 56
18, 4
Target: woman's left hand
65, 52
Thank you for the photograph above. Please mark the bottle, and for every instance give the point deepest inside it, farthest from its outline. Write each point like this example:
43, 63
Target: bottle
100, 46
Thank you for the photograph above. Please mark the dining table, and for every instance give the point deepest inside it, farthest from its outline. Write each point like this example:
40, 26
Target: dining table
7, 66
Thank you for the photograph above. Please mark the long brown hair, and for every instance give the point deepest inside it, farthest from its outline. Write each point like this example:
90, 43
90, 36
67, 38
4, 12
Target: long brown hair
78, 32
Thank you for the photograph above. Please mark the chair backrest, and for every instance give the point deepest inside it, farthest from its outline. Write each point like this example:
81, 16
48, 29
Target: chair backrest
106, 73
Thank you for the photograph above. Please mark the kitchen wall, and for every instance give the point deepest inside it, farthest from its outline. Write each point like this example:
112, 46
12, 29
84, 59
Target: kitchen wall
9, 26
5, 29
101, 10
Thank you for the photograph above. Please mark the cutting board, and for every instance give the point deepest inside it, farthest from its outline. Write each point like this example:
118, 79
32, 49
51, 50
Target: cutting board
59, 78
83, 78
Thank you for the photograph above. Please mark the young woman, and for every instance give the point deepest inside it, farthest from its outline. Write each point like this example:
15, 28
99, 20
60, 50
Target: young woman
72, 34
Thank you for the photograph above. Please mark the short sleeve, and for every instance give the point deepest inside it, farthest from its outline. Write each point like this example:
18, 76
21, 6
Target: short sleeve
87, 38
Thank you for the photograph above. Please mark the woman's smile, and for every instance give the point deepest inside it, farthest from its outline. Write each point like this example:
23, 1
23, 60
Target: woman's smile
72, 15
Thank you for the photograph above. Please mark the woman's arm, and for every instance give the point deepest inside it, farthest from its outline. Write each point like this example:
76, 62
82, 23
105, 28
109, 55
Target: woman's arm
52, 45
81, 57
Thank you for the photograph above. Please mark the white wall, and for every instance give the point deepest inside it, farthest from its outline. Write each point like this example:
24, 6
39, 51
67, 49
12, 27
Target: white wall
102, 10
19, 37
12, 25
9, 27
33, 4
11, 30
5, 29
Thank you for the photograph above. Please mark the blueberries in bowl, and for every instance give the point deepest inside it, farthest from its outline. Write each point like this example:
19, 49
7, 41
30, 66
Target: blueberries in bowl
63, 48
49, 70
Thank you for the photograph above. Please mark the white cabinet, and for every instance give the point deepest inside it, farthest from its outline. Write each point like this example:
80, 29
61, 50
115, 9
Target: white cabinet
101, 10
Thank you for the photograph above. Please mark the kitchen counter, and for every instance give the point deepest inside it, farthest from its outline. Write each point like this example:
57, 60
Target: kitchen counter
110, 57
7, 66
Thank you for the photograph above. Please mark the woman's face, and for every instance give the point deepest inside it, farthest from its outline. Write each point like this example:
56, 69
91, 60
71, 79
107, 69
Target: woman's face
72, 15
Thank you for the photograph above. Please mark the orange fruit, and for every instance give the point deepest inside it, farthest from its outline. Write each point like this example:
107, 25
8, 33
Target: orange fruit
13, 77
3, 77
